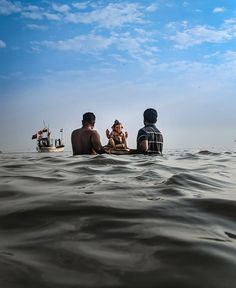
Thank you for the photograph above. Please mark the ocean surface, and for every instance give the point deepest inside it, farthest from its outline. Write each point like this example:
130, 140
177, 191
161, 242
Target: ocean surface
118, 221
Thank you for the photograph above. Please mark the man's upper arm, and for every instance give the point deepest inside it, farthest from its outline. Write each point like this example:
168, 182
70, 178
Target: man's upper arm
73, 141
142, 141
96, 142
143, 146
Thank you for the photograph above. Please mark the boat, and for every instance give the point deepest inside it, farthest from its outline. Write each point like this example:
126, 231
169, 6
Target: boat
45, 143
123, 151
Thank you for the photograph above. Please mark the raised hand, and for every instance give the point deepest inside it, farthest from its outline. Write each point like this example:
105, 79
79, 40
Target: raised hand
108, 133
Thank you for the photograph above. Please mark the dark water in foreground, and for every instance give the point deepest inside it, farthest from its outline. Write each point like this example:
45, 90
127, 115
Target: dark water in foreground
118, 221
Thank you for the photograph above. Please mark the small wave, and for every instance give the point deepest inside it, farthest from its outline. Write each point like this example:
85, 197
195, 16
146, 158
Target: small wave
195, 181
188, 156
207, 152
221, 207
11, 192
231, 235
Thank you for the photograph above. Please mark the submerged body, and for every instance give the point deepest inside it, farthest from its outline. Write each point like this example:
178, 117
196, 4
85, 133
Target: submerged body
85, 140
149, 138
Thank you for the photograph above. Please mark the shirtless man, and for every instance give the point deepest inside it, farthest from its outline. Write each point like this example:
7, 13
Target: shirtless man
86, 140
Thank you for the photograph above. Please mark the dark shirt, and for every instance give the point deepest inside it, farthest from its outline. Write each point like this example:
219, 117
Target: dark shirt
154, 137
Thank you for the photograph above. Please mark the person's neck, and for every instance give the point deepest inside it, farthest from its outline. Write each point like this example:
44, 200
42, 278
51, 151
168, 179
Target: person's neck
148, 123
88, 126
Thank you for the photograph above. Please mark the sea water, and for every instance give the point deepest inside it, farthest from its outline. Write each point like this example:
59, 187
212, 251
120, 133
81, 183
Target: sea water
118, 221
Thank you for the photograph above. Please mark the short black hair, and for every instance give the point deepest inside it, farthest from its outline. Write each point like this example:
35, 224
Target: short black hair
89, 117
150, 115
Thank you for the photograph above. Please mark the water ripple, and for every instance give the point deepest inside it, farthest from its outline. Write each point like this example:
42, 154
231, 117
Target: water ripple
118, 221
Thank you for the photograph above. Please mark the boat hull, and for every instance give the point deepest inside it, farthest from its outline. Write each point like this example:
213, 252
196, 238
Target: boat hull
52, 149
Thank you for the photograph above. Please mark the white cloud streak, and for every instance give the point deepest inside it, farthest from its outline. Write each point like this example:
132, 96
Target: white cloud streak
112, 15
103, 15
81, 5
218, 10
7, 8
2, 44
61, 8
140, 48
83, 44
32, 12
203, 34
230, 56
37, 27
152, 8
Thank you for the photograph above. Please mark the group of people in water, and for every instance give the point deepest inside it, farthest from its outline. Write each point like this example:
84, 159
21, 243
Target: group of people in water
86, 140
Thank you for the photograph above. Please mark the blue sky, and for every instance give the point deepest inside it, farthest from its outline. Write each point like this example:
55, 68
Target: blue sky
59, 59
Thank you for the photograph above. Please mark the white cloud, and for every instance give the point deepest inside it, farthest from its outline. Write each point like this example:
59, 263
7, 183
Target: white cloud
174, 26
32, 15
36, 27
135, 46
152, 8
51, 16
230, 21
31, 11
107, 16
212, 55
7, 8
185, 4
119, 58
230, 25
2, 44
83, 44
218, 10
201, 34
33, 8
113, 15
140, 48
230, 55
81, 5
60, 8
40, 15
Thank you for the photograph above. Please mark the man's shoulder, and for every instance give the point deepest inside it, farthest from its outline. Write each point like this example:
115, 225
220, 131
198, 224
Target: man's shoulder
142, 130
152, 128
94, 133
142, 134
76, 131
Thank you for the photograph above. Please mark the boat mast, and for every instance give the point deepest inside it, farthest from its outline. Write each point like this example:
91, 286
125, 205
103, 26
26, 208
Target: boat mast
49, 135
61, 130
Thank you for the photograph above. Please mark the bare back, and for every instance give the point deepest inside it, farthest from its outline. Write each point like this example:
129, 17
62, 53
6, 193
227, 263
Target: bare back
85, 141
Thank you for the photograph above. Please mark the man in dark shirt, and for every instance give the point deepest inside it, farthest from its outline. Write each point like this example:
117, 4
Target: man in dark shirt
149, 139
86, 140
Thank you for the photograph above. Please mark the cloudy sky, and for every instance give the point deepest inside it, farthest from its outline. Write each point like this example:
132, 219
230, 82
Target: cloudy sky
59, 59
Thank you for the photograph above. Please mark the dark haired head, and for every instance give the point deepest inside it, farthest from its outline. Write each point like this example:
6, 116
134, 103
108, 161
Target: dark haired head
89, 117
150, 115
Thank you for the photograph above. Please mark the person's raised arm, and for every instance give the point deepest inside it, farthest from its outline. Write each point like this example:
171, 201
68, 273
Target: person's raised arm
108, 134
